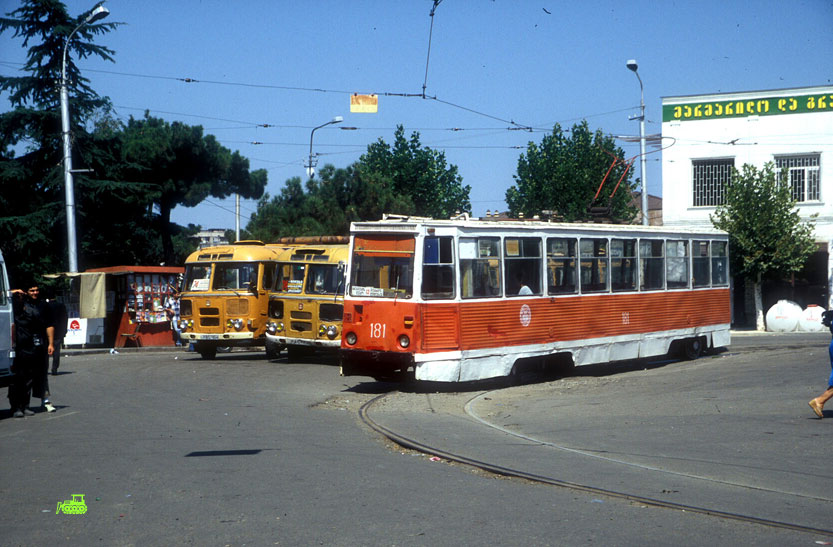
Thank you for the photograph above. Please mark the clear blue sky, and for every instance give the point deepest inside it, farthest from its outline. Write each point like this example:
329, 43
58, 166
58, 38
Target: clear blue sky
293, 65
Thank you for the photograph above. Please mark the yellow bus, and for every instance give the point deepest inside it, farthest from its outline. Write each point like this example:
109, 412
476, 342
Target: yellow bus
306, 300
225, 295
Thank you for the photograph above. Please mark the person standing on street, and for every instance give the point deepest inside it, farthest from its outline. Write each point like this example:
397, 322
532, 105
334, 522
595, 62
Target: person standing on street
172, 311
34, 344
817, 404
59, 317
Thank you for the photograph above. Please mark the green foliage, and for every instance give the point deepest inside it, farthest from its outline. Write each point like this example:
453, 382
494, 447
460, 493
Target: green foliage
408, 168
563, 173
405, 179
137, 173
766, 234
32, 202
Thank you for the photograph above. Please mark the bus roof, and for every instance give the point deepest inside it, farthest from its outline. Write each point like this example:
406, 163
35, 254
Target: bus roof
243, 252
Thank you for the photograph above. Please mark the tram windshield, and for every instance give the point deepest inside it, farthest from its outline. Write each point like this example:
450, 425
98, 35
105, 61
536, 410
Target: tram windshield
383, 266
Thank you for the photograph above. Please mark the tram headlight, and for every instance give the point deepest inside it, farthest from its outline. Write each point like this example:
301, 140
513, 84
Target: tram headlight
404, 341
351, 338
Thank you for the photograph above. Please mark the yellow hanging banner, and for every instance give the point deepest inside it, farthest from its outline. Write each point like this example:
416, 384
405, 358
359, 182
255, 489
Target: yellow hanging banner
368, 104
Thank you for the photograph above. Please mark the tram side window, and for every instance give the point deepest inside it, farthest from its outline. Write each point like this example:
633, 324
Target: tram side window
522, 261
623, 264
438, 268
700, 263
720, 263
479, 267
594, 264
676, 264
651, 265
561, 265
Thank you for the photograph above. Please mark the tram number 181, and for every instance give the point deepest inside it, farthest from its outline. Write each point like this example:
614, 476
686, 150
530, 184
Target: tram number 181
377, 330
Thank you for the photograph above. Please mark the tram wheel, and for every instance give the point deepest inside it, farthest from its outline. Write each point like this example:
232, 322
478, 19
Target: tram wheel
692, 348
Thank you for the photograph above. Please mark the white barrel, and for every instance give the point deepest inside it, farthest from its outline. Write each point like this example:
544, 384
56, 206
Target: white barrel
783, 316
810, 320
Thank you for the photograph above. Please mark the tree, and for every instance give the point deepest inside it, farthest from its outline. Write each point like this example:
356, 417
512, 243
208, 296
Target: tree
32, 222
404, 178
176, 164
410, 169
766, 234
563, 174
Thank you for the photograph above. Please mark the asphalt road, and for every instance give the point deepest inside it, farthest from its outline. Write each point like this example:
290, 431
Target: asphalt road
170, 449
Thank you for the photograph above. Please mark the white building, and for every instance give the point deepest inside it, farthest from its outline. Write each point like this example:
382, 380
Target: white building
707, 135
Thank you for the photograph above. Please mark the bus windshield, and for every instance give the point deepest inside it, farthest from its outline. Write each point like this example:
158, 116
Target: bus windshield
235, 275
197, 276
324, 279
383, 266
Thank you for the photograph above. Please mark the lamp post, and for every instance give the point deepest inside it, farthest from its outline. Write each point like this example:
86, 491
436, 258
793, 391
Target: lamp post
310, 165
633, 66
100, 12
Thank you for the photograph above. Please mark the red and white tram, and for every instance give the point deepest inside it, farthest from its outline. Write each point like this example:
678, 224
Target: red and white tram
460, 300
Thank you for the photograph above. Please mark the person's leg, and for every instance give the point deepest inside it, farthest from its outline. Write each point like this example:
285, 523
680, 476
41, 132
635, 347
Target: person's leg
56, 357
817, 404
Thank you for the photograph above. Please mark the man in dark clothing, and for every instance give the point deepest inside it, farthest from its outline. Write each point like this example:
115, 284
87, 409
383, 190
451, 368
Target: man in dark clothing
35, 333
59, 316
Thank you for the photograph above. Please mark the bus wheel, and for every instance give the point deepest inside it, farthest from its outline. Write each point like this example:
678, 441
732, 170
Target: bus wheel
692, 348
207, 351
273, 351
295, 353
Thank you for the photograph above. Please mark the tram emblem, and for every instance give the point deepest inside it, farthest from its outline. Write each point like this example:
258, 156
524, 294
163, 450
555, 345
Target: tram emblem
526, 315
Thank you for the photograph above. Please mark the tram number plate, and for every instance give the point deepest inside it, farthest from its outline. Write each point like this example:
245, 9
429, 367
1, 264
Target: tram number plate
377, 330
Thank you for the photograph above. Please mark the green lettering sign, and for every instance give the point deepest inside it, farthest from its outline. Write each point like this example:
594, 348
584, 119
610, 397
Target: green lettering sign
763, 106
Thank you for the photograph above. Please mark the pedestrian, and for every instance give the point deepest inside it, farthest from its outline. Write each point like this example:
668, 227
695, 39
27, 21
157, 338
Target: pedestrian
172, 311
817, 404
34, 343
59, 316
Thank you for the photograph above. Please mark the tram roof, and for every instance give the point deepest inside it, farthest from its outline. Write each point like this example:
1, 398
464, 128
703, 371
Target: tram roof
417, 224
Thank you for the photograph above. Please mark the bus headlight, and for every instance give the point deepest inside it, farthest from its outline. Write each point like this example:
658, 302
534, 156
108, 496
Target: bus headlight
185, 324
280, 327
404, 341
332, 332
271, 327
236, 324
351, 338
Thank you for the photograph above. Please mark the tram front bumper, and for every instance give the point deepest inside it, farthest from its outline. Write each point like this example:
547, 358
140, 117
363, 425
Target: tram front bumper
377, 364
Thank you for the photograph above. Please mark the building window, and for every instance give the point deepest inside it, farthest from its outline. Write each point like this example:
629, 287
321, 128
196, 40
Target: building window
802, 172
710, 180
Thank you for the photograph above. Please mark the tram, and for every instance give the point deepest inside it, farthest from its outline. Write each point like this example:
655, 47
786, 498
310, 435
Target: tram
306, 299
462, 299
224, 298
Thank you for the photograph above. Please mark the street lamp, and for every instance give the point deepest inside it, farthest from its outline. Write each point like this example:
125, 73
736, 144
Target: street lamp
100, 12
310, 165
633, 66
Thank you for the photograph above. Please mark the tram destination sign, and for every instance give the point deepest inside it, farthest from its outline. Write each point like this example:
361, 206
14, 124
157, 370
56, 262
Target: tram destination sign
738, 108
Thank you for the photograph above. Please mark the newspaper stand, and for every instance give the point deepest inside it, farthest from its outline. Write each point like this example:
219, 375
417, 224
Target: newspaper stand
138, 315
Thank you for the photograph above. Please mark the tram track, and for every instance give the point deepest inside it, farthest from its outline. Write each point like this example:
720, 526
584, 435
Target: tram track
510, 472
